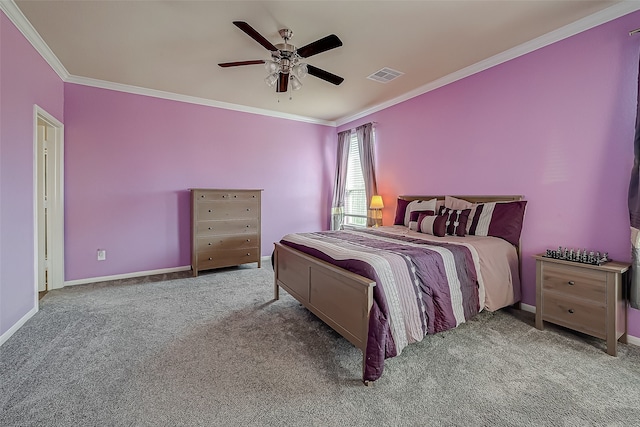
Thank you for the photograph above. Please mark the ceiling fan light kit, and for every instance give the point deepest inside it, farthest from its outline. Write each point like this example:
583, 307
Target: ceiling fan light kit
285, 67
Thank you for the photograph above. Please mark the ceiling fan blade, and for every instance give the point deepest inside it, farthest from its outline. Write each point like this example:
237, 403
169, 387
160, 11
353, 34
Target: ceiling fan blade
324, 75
319, 46
255, 35
235, 64
283, 82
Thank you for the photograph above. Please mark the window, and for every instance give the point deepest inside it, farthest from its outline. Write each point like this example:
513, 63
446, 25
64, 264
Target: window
355, 199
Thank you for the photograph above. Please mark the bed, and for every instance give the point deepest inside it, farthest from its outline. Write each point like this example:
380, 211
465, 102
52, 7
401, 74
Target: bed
384, 288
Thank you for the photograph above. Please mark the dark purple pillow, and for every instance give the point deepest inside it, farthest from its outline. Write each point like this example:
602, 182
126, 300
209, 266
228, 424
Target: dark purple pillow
432, 224
456, 220
401, 209
499, 219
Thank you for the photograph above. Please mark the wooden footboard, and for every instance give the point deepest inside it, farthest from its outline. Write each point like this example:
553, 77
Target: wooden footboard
338, 297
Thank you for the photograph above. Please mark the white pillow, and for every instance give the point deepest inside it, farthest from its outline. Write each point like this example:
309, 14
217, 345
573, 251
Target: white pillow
419, 205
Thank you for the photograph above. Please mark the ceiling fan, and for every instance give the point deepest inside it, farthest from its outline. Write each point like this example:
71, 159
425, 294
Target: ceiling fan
286, 60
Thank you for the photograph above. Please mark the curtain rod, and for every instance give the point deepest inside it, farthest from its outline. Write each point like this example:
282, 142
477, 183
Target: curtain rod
632, 32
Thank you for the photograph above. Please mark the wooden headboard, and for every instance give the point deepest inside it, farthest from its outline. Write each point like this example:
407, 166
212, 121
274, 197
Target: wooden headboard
472, 199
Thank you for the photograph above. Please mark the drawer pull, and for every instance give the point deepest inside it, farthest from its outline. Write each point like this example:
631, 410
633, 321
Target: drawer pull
248, 240
253, 197
235, 197
209, 243
571, 282
248, 209
210, 228
247, 226
248, 254
202, 196
210, 258
209, 210
571, 310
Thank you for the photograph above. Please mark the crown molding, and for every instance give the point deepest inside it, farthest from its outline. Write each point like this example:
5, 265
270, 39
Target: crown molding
16, 16
136, 90
620, 9
24, 26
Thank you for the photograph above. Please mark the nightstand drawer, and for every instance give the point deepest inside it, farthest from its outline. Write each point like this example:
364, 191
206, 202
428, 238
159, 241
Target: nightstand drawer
575, 313
580, 282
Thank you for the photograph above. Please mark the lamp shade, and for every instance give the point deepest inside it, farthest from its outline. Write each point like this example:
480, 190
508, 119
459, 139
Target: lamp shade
376, 202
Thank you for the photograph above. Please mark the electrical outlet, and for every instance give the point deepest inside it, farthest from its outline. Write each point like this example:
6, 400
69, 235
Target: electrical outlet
102, 254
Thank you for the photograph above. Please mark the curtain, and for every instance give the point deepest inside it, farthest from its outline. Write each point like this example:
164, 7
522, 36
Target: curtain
365, 145
634, 212
337, 205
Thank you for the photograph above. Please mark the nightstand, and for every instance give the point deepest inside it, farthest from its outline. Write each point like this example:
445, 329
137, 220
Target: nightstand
583, 297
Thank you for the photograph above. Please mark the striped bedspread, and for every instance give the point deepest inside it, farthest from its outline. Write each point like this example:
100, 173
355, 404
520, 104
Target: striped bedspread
422, 287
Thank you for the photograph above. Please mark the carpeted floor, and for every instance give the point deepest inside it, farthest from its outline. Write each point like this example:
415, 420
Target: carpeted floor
216, 350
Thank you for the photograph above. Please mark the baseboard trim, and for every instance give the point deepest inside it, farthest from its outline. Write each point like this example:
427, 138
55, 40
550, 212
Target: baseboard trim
12, 330
126, 275
532, 309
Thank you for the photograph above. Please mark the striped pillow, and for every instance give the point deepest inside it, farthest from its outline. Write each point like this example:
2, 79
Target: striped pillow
499, 219
419, 205
456, 220
432, 224
413, 218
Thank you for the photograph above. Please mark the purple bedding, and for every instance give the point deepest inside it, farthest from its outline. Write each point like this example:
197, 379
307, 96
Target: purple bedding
421, 287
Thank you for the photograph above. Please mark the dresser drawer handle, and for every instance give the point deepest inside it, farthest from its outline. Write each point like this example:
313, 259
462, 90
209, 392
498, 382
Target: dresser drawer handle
209, 243
570, 310
571, 282
248, 254
253, 197
235, 197
248, 226
248, 240
210, 258
210, 228
202, 196
209, 210
248, 209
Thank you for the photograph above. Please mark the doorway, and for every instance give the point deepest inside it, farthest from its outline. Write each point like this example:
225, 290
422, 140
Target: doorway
49, 202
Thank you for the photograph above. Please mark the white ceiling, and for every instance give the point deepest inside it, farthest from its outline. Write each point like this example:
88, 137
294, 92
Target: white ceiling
175, 46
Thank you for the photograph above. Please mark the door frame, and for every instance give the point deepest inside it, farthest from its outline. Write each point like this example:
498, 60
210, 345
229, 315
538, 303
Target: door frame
55, 208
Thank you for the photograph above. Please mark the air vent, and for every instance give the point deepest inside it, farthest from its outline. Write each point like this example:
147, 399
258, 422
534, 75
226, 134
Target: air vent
385, 75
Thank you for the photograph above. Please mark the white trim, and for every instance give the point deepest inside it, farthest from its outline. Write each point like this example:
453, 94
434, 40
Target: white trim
527, 307
12, 330
126, 275
56, 206
633, 340
619, 9
16, 16
606, 15
191, 99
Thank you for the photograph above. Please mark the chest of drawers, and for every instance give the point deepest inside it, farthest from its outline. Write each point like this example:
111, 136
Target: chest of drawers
586, 298
225, 228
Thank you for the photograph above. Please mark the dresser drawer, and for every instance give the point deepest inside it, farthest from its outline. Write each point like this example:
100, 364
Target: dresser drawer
208, 228
227, 242
573, 281
575, 313
227, 209
226, 195
226, 258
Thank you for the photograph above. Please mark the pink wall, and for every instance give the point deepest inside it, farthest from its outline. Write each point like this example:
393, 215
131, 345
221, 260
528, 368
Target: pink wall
555, 125
130, 160
25, 79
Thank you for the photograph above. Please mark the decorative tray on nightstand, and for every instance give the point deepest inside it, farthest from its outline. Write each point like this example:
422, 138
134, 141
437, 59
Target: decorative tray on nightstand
583, 257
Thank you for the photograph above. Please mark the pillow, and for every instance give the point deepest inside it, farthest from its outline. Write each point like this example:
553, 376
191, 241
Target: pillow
456, 220
432, 224
499, 219
455, 203
413, 218
401, 208
419, 205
